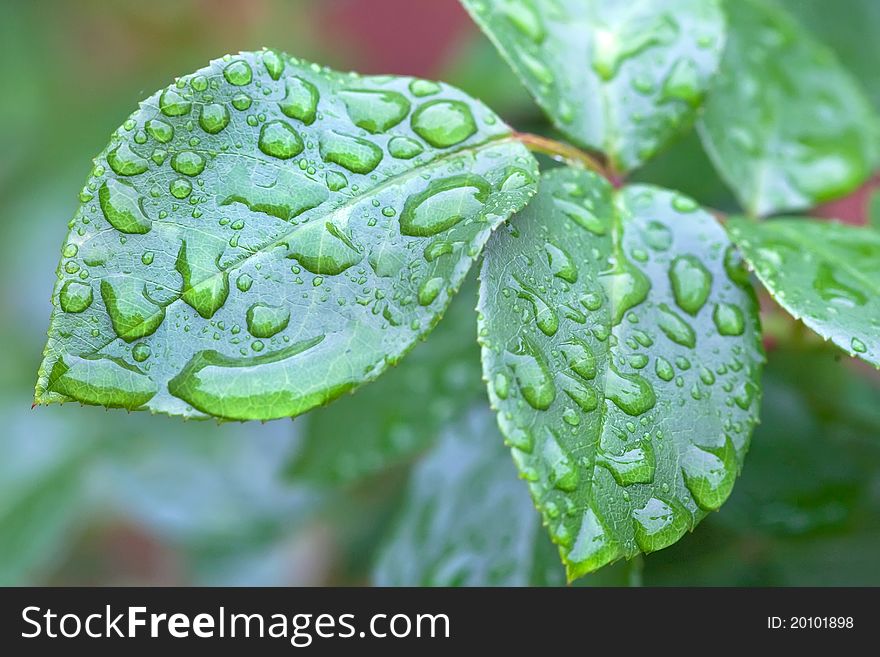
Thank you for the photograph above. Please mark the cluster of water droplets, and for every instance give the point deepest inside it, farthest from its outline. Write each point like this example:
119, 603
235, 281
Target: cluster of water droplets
263, 186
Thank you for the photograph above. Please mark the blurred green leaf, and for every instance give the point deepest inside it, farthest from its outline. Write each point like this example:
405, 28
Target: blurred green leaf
335, 274
627, 388
874, 209
467, 520
621, 78
785, 124
806, 509
392, 420
822, 272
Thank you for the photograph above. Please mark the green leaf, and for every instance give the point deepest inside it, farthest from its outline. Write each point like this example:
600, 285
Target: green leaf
824, 273
400, 415
467, 520
620, 77
785, 124
621, 345
265, 235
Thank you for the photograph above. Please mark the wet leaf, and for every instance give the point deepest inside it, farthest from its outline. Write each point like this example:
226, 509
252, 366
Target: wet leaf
265, 235
619, 77
824, 273
785, 124
621, 346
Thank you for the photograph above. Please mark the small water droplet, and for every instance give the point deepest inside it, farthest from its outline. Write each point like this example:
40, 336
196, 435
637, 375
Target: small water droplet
238, 73
674, 327
279, 139
691, 283
404, 148
631, 393
265, 320
443, 123
728, 319
188, 163
429, 290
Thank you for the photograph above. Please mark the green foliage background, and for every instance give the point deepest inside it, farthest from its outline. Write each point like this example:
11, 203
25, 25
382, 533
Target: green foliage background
88, 496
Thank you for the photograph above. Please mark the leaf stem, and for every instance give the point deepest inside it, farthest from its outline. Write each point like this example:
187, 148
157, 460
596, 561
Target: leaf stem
567, 153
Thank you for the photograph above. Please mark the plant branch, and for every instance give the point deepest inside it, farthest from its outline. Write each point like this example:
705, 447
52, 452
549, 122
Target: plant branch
564, 153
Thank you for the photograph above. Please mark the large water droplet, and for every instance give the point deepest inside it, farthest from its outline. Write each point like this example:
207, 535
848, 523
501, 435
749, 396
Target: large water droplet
171, 103
563, 473
238, 73
593, 547
444, 123
580, 358
274, 63
443, 204
634, 466
188, 163
659, 524
833, 290
709, 474
691, 283
613, 46
214, 118
429, 291
631, 393
75, 297
323, 249
663, 369
123, 207
205, 286
278, 139
125, 162
301, 100
101, 381
265, 320
533, 378
626, 286
581, 216
355, 154
160, 130
404, 148
674, 327
728, 319
585, 396
375, 111
561, 263
132, 314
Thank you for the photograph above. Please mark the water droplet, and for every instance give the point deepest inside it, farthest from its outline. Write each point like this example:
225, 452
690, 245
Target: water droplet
728, 319
214, 118
663, 369
858, 346
709, 474
355, 154
70, 250
561, 264
171, 103
259, 387
404, 148
591, 301
593, 547
159, 130
563, 474
501, 385
580, 358
545, 317
429, 291
516, 436
132, 313
631, 393
274, 198
126, 162
683, 83
140, 352
278, 139
324, 249
684, 204
611, 48
657, 236
538, 69
301, 100
436, 249
659, 524
674, 327
101, 381
626, 286
238, 73
147, 258
533, 378
421, 88
264, 320
375, 111
274, 63
585, 396
525, 18
188, 163
581, 216
241, 101
634, 466
835, 291
691, 283
244, 282
443, 204
443, 123
638, 361
123, 207
205, 286
335, 181
75, 297
180, 188
735, 266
